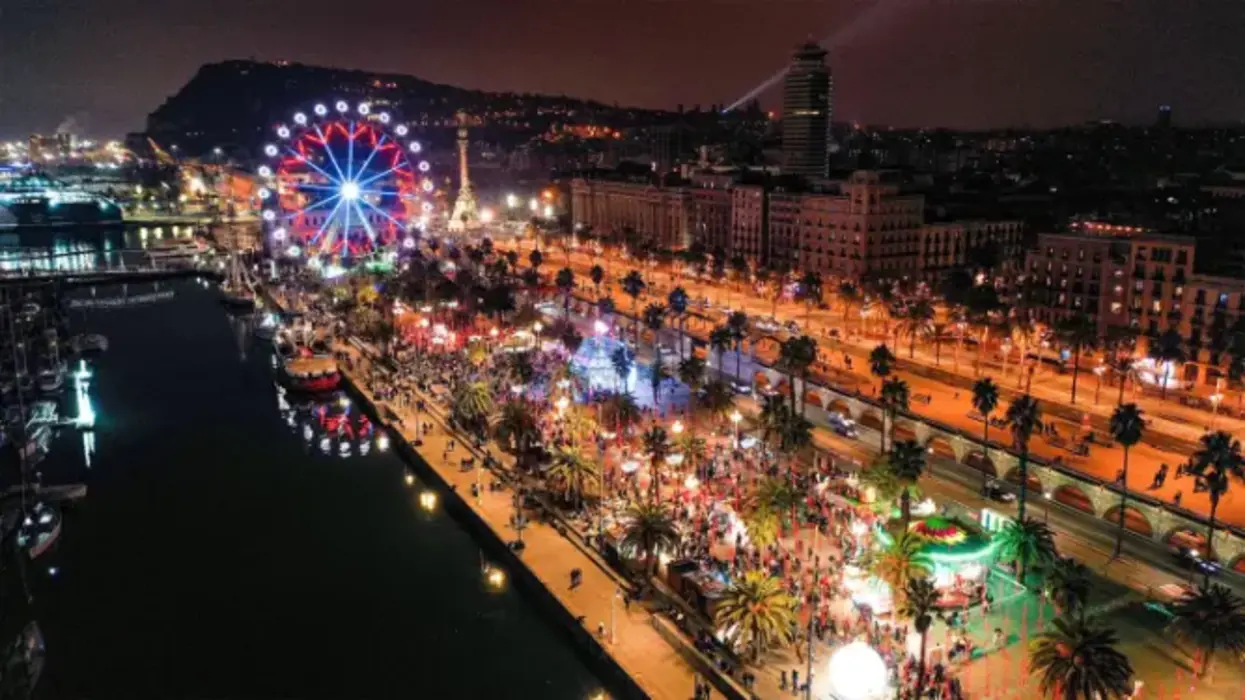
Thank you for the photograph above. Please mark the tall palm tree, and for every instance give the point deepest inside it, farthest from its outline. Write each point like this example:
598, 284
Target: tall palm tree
810, 291
565, 280
575, 472
721, 340
677, 301
1023, 417
472, 406
633, 286
1168, 350
597, 275
850, 297
658, 376
657, 445
1210, 619
1078, 333
795, 357
1127, 427
517, 430
1078, 660
1026, 542
760, 611
621, 411
718, 398
738, 323
648, 529
907, 462
881, 361
985, 400
1215, 465
899, 562
654, 320
895, 396
623, 361
920, 603
692, 373
1069, 584
918, 321
536, 258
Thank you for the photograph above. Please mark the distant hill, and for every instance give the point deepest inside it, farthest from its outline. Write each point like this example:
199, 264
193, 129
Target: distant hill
229, 105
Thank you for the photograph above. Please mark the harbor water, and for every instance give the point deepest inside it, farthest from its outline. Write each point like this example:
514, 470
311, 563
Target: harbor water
222, 551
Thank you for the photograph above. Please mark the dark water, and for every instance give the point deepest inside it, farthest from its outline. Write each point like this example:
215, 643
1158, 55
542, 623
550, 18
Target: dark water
219, 555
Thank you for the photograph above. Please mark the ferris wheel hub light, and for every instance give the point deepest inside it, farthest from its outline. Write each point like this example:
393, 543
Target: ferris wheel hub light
350, 190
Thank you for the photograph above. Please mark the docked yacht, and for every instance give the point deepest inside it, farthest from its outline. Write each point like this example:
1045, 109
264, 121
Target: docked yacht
89, 343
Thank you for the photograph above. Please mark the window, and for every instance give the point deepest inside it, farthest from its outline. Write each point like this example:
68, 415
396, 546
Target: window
1139, 285
1116, 307
1156, 306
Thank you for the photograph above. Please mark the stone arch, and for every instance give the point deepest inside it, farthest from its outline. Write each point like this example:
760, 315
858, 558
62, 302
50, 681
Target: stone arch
1185, 537
1035, 484
1073, 496
1238, 564
1134, 520
840, 405
939, 446
904, 431
976, 459
871, 419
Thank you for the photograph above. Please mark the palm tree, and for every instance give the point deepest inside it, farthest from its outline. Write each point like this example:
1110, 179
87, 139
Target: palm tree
721, 340
1210, 619
895, 396
760, 611
1167, 350
1079, 333
677, 300
1068, 582
658, 375
1026, 542
649, 529
575, 471
1023, 417
795, 357
565, 280
920, 602
633, 286
473, 404
880, 361
907, 462
718, 399
810, 291
850, 297
900, 562
737, 322
623, 361
597, 275
621, 411
657, 445
692, 373
918, 321
654, 320
1215, 465
536, 258
985, 400
1127, 427
1078, 660
517, 430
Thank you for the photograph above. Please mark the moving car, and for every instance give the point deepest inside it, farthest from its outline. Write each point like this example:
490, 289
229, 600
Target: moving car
994, 491
843, 425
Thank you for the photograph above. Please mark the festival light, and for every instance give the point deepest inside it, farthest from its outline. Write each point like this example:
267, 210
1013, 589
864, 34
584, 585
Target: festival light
857, 672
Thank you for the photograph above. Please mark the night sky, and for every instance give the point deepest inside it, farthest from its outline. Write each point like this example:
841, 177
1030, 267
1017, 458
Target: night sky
961, 63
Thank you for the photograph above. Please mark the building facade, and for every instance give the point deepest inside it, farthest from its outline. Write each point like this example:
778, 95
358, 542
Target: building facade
807, 106
660, 214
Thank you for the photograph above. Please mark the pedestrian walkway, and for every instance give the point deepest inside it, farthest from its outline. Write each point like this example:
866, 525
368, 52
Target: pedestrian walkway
630, 637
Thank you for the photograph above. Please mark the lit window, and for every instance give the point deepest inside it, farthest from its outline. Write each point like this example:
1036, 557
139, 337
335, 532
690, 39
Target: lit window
1116, 307
1157, 306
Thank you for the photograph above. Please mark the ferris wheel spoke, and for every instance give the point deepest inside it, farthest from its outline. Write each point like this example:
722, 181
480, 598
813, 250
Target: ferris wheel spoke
315, 167
322, 203
332, 158
327, 220
371, 232
350, 158
385, 214
374, 178
375, 148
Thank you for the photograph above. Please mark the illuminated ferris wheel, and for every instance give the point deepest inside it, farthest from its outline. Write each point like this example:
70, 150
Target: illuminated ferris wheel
343, 182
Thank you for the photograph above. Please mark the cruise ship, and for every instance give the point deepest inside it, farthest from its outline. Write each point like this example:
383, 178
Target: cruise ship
29, 199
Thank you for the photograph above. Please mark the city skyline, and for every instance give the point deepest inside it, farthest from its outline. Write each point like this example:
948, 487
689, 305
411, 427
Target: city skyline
962, 64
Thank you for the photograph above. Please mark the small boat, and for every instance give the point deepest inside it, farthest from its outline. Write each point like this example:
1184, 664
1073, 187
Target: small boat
89, 343
39, 530
51, 381
236, 294
174, 249
312, 374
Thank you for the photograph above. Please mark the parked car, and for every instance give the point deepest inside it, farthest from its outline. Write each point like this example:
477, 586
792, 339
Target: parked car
1192, 559
994, 491
843, 425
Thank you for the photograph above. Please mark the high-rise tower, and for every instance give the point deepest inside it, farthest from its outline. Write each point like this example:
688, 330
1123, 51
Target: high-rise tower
807, 103
465, 214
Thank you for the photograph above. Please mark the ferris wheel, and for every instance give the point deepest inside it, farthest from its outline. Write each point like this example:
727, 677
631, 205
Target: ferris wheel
342, 182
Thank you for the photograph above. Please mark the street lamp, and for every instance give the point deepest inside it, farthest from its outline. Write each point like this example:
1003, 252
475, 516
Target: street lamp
428, 501
1098, 371
1214, 402
1046, 505
677, 428
511, 201
533, 204
736, 416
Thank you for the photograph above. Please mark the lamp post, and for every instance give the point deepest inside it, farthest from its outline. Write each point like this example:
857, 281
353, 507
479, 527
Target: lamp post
614, 616
1215, 398
1046, 496
736, 416
1098, 372
537, 328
